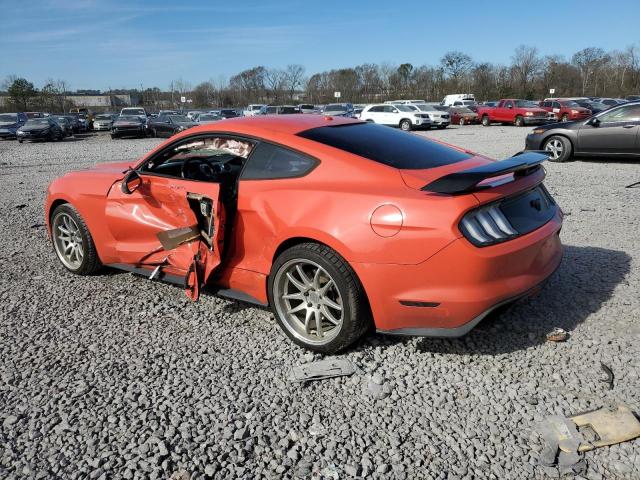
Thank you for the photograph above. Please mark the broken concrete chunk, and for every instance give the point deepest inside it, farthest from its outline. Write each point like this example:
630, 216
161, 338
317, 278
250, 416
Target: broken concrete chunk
322, 369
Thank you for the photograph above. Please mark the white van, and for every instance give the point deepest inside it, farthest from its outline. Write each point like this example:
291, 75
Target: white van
458, 100
252, 109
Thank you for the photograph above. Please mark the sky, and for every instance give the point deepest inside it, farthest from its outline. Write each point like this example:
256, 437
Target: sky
102, 44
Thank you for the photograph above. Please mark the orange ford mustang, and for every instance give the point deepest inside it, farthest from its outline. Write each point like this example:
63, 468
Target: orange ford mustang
337, 225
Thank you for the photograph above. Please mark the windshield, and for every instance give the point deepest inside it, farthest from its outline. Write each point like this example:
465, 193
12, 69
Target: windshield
129, 118
203, 118
255, 107
526, 104
8, 118
228, 112
386, 145
462, 110
335, 108
306, 107
37, 121
425, 107
179, 118
571, 103
103, 117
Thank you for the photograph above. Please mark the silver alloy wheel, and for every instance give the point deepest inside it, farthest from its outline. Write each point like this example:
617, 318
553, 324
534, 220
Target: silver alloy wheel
67, 240
556, 148
405, 125
308, 301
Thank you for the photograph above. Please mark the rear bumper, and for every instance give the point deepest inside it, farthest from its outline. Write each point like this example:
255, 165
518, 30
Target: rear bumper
451, 292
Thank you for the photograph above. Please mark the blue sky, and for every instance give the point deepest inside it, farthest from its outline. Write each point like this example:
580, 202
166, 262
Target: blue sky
119, 44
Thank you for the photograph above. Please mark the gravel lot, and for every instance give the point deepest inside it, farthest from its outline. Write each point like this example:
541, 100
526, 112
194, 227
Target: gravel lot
113, 376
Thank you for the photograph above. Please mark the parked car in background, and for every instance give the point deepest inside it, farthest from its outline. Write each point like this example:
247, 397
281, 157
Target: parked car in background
514, 111
10, 123
34, 114
458, 100
168, 125
74, 122
203, 118
404, 116
611, 102
632, 98
103, 121
46, 129
306, 108
129, 126
168, 112
85, 113
278, 110
595, 107
564, 110
463, 116
338, 110
614, 132
404, 102
252, 109
229, 113
136, 111
438, 115
65, 124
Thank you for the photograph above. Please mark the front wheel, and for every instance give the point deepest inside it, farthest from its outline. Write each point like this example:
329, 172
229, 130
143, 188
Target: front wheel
72, 241
519, 121
405, 125
559, 148
485, 121
317, 299
565, 118
461, 122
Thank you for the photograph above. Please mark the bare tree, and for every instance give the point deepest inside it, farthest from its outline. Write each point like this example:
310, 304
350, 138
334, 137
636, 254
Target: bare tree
455, 64
294, 76
526, 65
588, 61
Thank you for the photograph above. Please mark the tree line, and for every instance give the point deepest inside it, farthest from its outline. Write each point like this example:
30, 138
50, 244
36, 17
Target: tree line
530, 75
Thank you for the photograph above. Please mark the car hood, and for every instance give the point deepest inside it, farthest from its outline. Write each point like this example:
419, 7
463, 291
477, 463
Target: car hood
126, 124
535, 110
33, 128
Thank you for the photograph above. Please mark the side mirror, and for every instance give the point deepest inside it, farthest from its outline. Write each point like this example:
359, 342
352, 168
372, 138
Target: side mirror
131, 182
594, 122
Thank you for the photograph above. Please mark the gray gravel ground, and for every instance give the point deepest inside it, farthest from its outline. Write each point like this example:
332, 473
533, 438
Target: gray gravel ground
112, 376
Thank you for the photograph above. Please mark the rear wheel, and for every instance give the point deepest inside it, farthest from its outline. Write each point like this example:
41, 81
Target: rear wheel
317, 299
405, 125
485, 121
72, 241
461, 122
559, 148
519, 121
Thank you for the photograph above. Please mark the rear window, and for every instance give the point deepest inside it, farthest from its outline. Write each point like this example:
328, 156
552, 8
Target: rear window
386, 145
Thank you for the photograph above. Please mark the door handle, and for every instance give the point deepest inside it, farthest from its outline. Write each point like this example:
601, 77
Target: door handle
628, 126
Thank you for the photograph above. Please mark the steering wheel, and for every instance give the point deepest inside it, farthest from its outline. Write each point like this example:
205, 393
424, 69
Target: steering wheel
207, 169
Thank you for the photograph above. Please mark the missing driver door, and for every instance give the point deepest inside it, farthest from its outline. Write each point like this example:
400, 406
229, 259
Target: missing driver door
169, 226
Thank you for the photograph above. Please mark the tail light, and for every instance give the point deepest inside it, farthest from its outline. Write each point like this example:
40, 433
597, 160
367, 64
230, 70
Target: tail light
487, 226
509, 217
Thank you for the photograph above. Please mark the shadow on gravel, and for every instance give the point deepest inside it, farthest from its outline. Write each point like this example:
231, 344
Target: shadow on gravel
585, 280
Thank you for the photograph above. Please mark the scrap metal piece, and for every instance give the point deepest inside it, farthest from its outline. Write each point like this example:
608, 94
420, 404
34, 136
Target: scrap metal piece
610, 426
335, 367
633, 185
557, 335
170, 239
609, 374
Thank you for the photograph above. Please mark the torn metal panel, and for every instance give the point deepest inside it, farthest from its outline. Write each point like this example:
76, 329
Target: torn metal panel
170, 239
322, 369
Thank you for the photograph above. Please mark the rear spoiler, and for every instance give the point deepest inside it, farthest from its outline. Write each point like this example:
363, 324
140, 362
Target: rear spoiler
521, 164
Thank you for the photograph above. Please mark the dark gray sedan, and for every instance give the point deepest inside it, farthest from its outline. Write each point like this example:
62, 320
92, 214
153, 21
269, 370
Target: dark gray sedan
614, 133
168, 125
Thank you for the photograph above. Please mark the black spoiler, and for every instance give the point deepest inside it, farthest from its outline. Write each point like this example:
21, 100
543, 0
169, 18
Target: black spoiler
521, 164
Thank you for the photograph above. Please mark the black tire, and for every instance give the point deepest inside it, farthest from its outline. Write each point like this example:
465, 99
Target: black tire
154, 134
90, 261
461, 122
356, 313
113, 137
405, 125
565, 118
442, 127
485, 121
519, 121
567, 148
20, 140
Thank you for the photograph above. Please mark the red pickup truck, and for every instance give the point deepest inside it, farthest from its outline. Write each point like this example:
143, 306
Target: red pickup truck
514, 111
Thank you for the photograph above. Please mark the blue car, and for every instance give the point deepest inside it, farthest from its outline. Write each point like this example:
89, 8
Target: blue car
10, 123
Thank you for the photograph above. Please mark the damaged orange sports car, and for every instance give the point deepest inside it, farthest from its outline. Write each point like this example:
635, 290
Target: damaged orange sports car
338, 225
